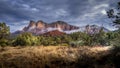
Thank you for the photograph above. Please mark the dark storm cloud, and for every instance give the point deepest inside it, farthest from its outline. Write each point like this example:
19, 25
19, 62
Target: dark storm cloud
77, 12
11, 12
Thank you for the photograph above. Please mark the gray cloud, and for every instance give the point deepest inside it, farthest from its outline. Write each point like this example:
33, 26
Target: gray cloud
77, 12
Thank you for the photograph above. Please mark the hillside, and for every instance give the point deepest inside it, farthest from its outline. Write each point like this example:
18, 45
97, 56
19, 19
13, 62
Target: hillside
54, 33
59, 57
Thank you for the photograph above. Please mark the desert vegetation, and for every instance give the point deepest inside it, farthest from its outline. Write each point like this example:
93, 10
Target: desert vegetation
59, 57
75, 50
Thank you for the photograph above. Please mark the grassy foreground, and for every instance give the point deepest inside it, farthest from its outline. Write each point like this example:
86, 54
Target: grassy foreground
59, 57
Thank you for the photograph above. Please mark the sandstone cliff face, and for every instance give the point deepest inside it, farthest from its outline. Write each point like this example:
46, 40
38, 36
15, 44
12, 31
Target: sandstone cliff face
63, 26
40, 24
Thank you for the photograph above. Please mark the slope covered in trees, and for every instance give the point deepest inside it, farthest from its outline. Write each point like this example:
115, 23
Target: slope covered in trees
77, 38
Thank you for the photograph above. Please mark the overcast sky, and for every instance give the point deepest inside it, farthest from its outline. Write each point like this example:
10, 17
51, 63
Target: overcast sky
18, 13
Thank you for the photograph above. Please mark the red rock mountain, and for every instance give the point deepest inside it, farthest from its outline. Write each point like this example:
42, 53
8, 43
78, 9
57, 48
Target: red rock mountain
41, 27
54, 33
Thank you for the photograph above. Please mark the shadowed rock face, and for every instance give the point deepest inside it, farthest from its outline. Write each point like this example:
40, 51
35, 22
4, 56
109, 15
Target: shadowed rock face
32, 24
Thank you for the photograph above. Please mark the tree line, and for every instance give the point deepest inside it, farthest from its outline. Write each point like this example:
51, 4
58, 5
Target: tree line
73, 39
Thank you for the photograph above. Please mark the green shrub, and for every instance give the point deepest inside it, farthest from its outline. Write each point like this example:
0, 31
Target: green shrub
25, 39
64, 44
3, 42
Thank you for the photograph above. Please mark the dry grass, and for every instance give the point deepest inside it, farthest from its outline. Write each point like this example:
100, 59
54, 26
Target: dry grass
57, 57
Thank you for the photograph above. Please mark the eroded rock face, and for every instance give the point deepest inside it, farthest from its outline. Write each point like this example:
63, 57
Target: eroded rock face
63, 26
40, 24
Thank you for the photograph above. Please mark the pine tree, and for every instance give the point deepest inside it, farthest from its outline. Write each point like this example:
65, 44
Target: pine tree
4, 34
115, 16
